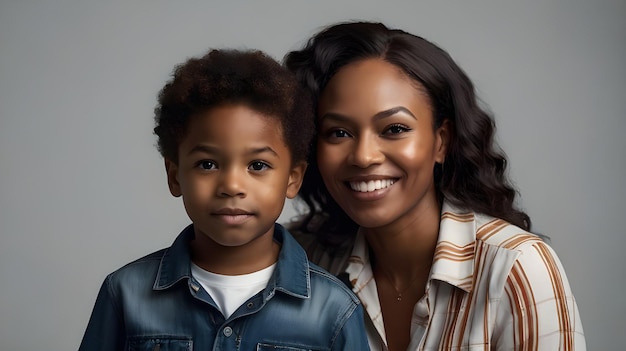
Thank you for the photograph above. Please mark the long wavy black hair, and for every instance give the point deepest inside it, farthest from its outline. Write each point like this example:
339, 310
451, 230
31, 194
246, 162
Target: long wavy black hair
473, 174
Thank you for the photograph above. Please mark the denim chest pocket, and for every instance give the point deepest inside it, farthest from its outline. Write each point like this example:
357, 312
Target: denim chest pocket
164, 343
273, 347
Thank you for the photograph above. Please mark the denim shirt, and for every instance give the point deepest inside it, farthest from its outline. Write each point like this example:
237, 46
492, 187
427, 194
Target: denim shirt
155, 304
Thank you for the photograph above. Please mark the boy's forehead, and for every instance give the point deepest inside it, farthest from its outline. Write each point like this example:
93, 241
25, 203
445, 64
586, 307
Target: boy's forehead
226, 124
226, 112
235, 118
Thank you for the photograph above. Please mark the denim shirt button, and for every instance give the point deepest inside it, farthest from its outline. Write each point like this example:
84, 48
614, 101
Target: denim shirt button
250, 305
228, 331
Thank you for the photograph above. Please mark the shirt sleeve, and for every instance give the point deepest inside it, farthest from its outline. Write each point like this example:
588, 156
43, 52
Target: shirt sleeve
105, 330
538, 310
352, 335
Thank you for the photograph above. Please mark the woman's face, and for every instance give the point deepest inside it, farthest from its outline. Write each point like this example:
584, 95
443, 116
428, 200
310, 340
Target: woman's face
376, 146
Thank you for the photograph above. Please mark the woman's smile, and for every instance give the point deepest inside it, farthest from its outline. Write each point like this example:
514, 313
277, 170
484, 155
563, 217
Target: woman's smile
371, 185
372, 190
378, 144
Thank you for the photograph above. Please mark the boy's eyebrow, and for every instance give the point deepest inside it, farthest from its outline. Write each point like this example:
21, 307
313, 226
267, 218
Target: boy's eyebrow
203, 148
260, 150
214, 150
379, 115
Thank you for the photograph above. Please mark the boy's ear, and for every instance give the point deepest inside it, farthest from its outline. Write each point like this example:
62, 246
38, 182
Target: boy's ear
442, 139
171, 168
295, 179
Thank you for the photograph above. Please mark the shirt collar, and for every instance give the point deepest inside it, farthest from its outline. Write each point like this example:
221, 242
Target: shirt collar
455, 250
453, 261
291, 274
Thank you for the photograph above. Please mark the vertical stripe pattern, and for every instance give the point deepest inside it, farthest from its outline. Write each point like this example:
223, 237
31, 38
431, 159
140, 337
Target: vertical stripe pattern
492, 286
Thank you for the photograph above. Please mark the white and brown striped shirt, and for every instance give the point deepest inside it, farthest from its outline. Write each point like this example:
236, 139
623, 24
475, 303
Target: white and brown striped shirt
492, 286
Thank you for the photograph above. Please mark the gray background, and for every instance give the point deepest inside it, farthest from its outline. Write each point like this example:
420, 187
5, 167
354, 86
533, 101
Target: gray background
83, 190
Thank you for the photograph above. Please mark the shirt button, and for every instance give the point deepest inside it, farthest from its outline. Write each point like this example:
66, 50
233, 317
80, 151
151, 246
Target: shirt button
228, 331
250, 305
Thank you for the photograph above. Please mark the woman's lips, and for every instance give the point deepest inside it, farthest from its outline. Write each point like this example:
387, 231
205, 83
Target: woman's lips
368, 189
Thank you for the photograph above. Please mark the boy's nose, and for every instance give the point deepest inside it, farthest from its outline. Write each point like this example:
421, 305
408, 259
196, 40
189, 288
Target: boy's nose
231, 184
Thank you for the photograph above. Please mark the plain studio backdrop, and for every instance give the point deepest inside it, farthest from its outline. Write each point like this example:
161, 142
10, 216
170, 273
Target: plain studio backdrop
83, 189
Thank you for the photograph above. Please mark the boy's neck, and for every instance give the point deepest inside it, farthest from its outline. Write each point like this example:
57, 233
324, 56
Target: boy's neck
234, 260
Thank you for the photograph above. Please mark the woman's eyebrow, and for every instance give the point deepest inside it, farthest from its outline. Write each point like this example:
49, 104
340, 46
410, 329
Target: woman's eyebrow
379, 115
392, 111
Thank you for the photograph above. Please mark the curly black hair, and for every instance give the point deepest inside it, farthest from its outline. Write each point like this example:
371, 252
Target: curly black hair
473, 174
248, 77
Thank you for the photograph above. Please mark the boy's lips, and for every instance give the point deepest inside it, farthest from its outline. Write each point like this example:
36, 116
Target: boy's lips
229, 211
232, 216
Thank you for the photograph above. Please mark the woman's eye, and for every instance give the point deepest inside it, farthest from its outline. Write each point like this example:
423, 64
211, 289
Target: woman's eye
258, 166
207, 165
338, 133
397, 129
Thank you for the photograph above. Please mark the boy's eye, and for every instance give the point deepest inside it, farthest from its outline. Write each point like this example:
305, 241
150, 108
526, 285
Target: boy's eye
258, 166
207, 165
396, 129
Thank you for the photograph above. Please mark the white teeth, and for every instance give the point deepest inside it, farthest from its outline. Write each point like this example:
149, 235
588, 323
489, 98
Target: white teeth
372, 185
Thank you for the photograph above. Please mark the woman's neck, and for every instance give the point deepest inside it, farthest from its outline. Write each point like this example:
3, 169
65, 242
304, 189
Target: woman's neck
406, 247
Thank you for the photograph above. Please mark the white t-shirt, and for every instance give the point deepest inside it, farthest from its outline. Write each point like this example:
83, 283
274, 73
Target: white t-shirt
231, 291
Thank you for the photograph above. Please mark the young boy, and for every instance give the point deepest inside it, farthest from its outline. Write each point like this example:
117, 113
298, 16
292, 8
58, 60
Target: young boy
234, 128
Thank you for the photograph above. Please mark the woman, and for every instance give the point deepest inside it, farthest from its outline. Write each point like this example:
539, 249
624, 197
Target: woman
410, 202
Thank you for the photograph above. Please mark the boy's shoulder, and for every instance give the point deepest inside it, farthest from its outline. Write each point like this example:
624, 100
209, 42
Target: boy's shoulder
323, 284
322, 277
149, 259
143, 269
170, 263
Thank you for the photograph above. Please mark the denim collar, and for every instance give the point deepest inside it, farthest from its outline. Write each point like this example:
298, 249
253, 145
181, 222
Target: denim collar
291, 274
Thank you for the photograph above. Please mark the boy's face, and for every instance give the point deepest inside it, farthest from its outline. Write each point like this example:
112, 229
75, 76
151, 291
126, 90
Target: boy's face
234, 172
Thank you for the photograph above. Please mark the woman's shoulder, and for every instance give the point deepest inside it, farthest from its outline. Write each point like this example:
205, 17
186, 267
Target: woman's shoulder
528, 254
498, 232
524, 275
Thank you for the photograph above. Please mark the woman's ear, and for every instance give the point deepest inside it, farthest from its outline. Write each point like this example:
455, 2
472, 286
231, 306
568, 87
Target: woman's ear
295, 179
171, 168
443, 135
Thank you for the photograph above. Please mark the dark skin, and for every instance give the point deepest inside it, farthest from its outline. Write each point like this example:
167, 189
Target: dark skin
402, 262
376, 152
234, 172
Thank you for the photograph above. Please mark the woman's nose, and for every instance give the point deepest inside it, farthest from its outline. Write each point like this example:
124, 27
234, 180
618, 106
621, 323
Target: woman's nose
366, 152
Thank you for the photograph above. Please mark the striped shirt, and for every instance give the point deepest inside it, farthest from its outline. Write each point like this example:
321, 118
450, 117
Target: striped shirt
492, 286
